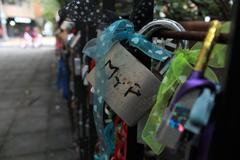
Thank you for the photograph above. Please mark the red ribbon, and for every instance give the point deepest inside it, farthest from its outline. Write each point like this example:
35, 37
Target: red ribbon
121, 147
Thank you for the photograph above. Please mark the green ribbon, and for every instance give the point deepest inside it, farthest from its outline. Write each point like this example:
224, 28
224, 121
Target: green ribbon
179, 70
176, 75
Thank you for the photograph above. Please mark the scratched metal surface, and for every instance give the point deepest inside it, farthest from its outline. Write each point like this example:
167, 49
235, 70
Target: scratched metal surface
131, 87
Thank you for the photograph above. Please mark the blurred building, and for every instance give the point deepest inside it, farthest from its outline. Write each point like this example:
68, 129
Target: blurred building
20, 14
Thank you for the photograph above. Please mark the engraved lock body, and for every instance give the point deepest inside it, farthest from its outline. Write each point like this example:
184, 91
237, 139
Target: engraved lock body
131, 87
129, 91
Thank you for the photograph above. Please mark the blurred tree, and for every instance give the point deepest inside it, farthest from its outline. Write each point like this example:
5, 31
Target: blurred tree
61, 2
50, 8
193, 9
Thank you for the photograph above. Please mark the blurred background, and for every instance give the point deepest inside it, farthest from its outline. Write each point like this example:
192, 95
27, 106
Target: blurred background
17, 15
36, 17
37, 121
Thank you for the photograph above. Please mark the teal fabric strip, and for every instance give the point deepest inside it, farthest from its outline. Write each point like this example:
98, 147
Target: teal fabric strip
201, 111
109, 136
98, 48
123, 30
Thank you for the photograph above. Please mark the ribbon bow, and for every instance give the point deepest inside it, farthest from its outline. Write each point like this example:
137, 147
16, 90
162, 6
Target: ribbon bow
123, 30
177, 73
98, 48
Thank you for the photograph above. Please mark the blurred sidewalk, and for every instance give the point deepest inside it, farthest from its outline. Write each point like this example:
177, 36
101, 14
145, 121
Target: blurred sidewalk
16, 42
34, 118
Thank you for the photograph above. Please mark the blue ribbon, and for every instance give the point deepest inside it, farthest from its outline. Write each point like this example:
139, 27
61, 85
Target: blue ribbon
109, 131
123, 30
100, 157
98, 48
201, 111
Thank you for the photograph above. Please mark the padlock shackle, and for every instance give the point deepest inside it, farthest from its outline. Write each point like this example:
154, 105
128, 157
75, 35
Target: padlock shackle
155, 25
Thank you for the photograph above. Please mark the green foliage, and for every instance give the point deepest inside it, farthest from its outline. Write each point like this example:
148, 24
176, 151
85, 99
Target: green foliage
50, 8
193, 9
61, 2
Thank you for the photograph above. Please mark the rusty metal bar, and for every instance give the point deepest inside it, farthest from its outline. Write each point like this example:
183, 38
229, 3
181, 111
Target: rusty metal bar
190, 35
195, 25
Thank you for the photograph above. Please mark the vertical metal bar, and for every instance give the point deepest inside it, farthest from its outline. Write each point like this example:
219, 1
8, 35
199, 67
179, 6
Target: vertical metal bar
109, 5
226, 134
92, 134
135, 150
80, 95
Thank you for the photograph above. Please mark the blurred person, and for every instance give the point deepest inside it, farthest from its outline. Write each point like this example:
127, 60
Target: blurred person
27, 38
59, 44
1, 31
61, 37
36, 38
